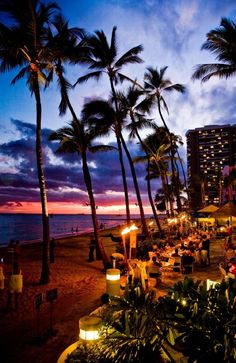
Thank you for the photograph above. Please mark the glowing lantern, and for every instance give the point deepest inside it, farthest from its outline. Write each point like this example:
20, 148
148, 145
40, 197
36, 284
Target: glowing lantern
2, 278
210, 284
16, 283
89, 328
113, 281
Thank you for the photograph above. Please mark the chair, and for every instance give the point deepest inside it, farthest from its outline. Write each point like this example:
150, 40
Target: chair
204, 254
173, 265
197, 257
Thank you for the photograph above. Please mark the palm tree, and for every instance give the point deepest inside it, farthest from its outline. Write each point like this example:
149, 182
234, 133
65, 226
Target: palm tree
67, 46
63, 47
155, 84
156, 147
222, 43
77, 138
96, 112
128, 106
103, 59
22, 45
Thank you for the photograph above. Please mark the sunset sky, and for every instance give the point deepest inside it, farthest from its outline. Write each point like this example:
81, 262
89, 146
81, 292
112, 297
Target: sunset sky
172, 33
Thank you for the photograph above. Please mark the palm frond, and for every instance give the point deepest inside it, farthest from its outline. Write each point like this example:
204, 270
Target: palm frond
140, 159
147, 104
98, 108
96, 148
176, 87
206, 71
131, 56
113, 47
93, 75
21, 74
122, 77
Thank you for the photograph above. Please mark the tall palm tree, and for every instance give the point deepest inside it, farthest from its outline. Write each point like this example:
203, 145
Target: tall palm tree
78, 138
222, 43
22, 45
128, 105
67, 46
96, 112
155, 84
64, 46
156, 147
103, 59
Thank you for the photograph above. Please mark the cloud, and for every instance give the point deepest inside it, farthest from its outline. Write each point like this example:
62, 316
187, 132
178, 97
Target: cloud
63, 173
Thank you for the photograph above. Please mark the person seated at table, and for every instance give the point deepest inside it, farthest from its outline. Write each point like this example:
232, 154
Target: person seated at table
182, 247
232, 269
205, 250
161, 245
167, 246
154, 247
153, 269
231, 266
175, 253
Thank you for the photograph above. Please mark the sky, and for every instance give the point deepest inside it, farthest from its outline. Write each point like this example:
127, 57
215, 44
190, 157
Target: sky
172, 33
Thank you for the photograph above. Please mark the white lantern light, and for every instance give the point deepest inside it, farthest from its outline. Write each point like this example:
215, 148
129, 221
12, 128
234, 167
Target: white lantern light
113, 281
210, 284
89, 328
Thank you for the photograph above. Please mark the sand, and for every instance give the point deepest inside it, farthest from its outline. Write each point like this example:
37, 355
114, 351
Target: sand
79, 284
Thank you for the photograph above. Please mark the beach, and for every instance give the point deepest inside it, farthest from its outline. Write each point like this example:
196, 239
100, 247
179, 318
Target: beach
79, 285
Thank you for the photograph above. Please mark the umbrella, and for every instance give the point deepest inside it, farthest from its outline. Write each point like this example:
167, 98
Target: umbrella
209, 209
227, 210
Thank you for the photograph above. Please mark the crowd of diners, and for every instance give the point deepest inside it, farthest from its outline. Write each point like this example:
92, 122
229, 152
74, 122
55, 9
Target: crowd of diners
177, 254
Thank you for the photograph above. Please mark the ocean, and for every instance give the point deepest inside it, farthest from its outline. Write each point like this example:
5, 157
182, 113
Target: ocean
28, 227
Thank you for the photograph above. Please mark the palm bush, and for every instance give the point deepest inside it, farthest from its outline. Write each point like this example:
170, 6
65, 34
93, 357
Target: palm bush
203, 321
190, 319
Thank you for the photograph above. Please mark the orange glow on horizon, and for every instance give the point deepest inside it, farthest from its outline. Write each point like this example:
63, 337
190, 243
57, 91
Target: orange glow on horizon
68, 208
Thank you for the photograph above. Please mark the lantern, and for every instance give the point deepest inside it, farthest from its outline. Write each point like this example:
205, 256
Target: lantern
210, 284
16, 283
89, 328
113, 281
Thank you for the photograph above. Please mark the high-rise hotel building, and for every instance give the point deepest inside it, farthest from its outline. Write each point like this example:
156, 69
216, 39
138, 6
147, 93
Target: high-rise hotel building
209, 150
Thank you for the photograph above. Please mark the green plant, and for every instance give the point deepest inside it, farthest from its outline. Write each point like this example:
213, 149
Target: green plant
203, 321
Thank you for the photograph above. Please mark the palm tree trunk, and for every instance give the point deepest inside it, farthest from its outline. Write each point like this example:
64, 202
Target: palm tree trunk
45, 274
165, 189
176, 189
88, 183
133, 172
150, 198
145, 148
87, 179
121, 155
184, 176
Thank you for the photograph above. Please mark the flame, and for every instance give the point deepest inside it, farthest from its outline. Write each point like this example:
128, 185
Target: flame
133, 228
125, 231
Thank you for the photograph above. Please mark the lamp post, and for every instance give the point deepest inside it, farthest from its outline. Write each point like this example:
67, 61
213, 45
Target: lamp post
113, 282
89, 328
